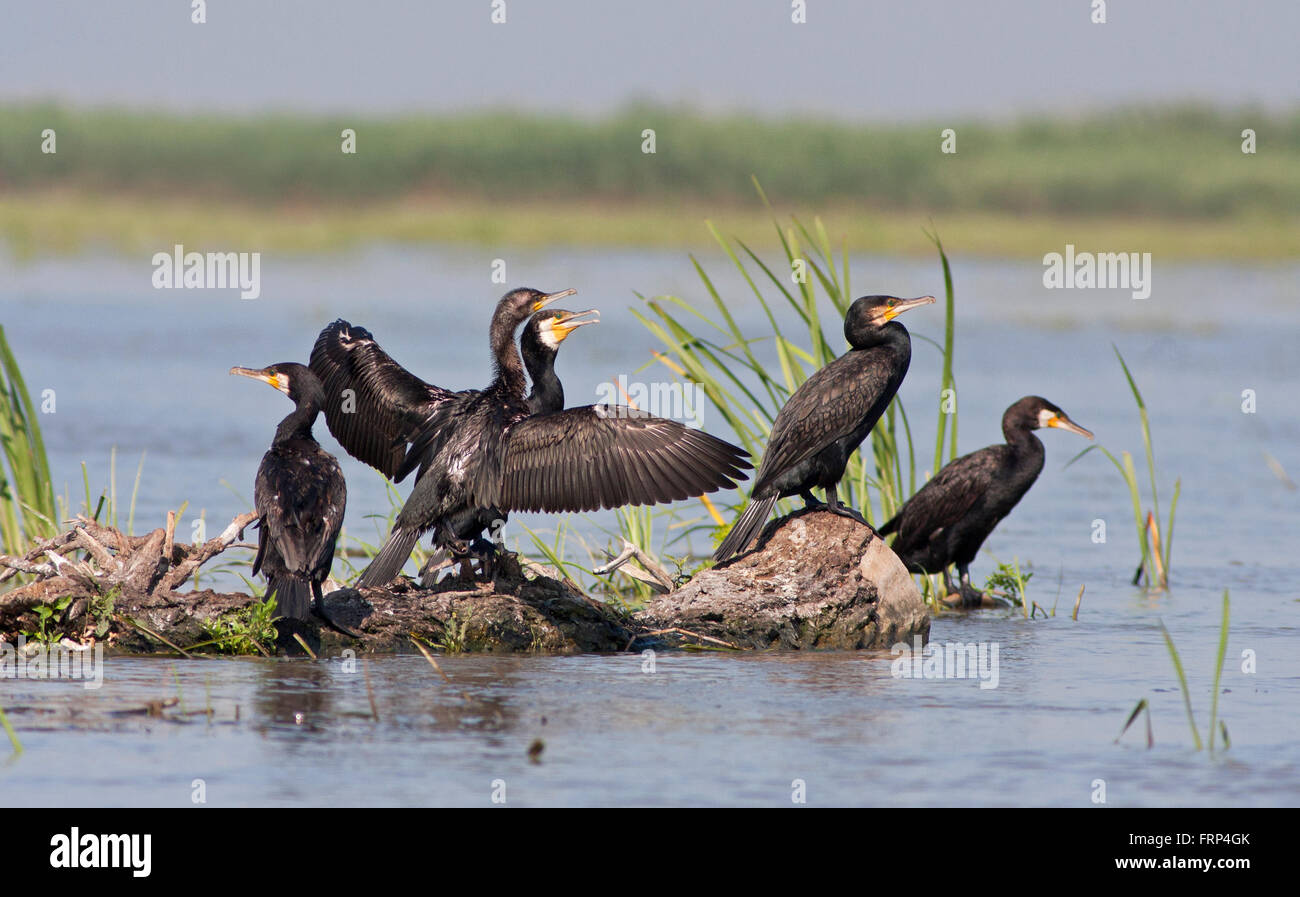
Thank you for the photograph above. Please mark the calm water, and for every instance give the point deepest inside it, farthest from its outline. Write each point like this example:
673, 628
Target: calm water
145, 371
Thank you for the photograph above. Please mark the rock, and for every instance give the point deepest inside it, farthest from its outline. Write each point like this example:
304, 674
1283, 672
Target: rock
815, 580
511, 614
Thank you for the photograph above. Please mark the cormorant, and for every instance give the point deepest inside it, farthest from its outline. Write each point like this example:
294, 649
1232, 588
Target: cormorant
300, 497
369, 393
948, 518
829, 415
374, 406
486, 449
539, 344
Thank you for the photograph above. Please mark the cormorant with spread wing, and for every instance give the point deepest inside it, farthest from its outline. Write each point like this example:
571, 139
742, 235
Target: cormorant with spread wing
829, 415
948, 518
385, 398
487, 449
300, 497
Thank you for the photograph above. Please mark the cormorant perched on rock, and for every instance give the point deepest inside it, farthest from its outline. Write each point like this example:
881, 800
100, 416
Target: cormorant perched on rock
829, 415
300, 497
948, 518
484, 449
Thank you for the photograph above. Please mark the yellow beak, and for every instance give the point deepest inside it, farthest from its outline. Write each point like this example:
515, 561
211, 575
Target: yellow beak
904, 304
1061, 422
566, 323
549, 298
264, 375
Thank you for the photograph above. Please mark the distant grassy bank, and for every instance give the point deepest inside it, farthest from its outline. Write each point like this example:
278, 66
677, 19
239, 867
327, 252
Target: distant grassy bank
53, 222
1172, 181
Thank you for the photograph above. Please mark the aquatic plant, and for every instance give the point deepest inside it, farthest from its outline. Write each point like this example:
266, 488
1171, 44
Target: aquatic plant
27, 511
1144, 707
1156, 550
242, 631
47, 632
1008, 580
14, 743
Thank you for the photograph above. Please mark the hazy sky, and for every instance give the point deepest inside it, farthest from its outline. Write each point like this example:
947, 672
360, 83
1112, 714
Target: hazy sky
866, 59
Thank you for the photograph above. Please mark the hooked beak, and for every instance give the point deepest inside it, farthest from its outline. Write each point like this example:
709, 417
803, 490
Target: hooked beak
265, 375
904, 304
549, 298
1061, 422
568, 322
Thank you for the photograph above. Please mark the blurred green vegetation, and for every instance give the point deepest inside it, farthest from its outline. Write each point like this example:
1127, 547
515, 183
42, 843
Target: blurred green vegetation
1183, 161
502, 176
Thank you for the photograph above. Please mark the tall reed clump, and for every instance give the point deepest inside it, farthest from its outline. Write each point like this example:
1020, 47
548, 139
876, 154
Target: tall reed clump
27, 511
712, 351
1156, 545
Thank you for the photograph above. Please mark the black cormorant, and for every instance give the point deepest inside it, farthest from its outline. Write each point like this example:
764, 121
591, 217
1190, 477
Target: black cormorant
948, 518
485, 449
829, 415
300, 497
370, 395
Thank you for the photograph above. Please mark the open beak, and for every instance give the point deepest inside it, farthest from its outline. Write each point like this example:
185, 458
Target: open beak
1061, 422
566, 323
904, 304
266, 376
549, 298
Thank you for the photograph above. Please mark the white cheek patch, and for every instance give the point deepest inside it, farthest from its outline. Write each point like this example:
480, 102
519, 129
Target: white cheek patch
1045, 417
282, 383
549, 339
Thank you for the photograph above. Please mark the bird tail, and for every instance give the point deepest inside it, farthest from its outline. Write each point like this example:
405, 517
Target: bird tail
890, 526
292, 597
745, 528
388, 563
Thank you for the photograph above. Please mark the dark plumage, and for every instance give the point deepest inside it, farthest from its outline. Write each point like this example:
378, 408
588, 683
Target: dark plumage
299, 494
539, 344
948, 518
486, 449
374, 406
829, 415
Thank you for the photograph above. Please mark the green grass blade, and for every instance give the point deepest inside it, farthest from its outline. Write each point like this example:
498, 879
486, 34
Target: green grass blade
1218, 669
1182, 683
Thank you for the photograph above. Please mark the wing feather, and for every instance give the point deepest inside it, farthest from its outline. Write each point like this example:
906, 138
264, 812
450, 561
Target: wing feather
946, 498
599, 456
828, 406
373, 405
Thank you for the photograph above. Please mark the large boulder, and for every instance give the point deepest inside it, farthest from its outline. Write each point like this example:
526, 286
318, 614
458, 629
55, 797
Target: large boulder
813, 580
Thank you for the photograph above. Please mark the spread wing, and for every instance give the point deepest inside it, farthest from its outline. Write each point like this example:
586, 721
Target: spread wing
608, 456
373, 405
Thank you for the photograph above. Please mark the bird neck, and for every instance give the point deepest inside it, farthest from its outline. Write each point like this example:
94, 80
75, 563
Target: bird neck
297, 424
509, 368
892, 335
547, 393
1021, 438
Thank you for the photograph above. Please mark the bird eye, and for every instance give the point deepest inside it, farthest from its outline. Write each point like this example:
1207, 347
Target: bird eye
892, 302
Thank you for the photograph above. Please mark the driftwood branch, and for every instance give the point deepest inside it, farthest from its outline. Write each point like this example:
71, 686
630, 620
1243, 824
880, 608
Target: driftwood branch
208, 550
142, 568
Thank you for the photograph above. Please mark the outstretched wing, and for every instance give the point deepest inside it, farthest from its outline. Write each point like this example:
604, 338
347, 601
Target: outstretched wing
373, 405
608, 456
946, 498
827, 407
